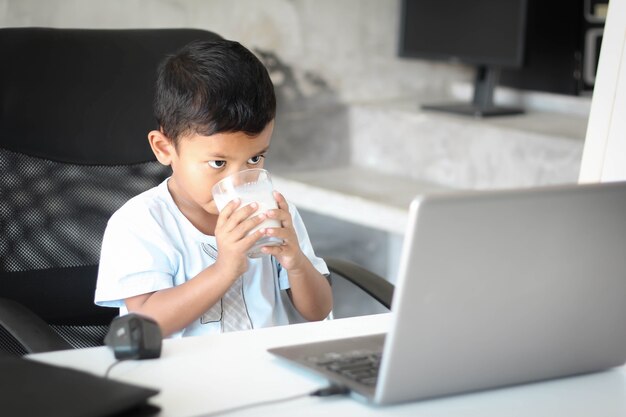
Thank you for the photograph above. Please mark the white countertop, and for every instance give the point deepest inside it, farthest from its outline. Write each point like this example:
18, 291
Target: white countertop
354, 194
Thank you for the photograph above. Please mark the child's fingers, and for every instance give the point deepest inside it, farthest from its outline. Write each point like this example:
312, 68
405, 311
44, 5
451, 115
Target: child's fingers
251, 239
282, 215
282, 202
240, 215
248, 224
278, 232
227, 211
272, 250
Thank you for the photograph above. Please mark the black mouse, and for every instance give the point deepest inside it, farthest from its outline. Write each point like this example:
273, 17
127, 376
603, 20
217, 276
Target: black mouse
134, 336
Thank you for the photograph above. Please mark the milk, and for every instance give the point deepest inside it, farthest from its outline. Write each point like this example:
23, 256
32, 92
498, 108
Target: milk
260, 193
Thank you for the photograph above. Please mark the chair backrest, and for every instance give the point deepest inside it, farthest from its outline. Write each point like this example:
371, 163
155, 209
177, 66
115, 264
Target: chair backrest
75, 110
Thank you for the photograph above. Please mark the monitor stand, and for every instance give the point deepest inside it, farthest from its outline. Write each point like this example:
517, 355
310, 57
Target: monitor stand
482, 104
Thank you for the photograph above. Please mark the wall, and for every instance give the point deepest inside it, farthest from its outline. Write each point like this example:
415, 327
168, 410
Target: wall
345, 47
604, 156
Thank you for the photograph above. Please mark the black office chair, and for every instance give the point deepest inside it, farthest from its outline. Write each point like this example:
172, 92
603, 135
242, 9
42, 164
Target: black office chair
358, 291
75, 108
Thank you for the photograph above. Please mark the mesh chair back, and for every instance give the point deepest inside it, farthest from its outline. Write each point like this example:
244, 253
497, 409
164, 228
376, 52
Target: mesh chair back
75, 109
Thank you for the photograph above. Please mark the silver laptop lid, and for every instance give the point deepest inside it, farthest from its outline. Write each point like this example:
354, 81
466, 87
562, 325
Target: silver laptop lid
506, 287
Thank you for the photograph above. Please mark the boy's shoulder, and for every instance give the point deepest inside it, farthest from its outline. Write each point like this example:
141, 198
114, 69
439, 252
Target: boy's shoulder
153, 200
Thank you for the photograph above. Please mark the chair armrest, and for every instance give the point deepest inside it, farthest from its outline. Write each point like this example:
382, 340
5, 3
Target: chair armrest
30, 330
374, 285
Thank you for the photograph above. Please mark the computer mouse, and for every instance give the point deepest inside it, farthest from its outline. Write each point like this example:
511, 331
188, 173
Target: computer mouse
134, 336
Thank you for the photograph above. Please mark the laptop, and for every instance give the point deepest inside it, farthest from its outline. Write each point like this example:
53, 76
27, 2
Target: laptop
495, 288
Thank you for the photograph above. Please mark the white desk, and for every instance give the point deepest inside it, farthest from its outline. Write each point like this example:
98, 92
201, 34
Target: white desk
207, 374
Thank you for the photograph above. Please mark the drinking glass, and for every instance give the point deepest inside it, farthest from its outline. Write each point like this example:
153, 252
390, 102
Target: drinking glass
250, 186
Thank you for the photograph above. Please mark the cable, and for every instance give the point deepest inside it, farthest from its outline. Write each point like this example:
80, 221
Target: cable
322, 392
117, 362
331, 390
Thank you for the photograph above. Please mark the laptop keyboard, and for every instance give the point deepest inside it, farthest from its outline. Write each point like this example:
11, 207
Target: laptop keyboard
358, 365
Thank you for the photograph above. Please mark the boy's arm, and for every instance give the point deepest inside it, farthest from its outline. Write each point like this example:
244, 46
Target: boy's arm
176, 307
310, 291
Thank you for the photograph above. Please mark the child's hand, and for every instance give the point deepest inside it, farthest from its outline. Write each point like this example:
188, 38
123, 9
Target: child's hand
233, 241
288, 254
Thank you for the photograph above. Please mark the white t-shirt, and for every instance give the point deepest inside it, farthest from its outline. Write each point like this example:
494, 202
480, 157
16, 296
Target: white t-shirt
149, 245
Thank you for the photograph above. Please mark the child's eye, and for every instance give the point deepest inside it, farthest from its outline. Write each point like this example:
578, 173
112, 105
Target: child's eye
255, 159
217, 164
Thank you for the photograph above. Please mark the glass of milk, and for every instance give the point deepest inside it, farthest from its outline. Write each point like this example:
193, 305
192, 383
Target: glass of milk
250, 186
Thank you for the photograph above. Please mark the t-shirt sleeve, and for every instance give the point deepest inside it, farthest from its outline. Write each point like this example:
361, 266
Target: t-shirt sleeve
305, 246
135, 258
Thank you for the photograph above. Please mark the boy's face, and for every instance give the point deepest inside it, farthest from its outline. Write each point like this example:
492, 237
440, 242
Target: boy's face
201, 161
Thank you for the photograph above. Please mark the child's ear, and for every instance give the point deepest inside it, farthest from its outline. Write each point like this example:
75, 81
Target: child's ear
162, 146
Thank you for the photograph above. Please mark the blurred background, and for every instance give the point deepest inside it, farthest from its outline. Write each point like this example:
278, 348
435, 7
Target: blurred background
352, 144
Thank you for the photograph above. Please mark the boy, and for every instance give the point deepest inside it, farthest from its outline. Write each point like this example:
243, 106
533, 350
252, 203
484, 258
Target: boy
168, 253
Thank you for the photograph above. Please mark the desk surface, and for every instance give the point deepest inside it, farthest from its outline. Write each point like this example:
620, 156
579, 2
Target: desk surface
203, 375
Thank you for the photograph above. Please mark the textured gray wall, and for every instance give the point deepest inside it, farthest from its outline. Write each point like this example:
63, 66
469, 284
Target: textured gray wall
347, 47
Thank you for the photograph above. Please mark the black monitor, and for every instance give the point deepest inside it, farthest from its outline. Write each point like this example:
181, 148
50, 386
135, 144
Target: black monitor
488, 34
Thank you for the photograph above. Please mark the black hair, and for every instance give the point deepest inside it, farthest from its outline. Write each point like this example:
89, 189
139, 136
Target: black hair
210, 87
